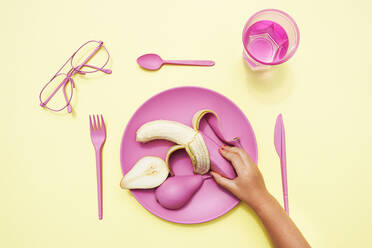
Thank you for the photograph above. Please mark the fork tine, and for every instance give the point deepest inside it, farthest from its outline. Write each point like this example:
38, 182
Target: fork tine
95, 124
98, 123
103, 124
90, 121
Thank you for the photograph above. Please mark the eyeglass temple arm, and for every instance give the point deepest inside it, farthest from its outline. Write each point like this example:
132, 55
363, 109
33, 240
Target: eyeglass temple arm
108, 71
64, 82
69, 108
78, 69
90, 56
55, 91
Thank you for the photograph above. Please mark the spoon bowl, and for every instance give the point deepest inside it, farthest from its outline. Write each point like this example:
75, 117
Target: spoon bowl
150, 61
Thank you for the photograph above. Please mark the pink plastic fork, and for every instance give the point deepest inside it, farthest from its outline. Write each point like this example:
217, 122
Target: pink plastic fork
98, 136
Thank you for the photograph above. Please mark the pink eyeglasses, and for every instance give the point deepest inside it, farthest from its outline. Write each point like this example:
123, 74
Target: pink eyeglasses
54, 87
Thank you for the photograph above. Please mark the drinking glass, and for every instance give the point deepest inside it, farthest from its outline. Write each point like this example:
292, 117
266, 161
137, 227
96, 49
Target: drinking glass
270, 37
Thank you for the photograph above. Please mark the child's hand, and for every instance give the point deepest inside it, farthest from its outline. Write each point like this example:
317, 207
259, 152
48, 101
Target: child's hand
249, 185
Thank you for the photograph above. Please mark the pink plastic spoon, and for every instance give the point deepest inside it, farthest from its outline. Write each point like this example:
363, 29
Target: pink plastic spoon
153, 62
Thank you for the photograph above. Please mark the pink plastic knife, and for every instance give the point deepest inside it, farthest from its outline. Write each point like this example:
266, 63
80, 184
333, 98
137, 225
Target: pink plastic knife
279, 141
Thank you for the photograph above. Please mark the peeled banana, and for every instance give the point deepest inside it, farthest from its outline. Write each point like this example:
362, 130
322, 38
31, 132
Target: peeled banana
184, 136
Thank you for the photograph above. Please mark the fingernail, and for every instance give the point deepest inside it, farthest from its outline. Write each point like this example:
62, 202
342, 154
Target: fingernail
222, 148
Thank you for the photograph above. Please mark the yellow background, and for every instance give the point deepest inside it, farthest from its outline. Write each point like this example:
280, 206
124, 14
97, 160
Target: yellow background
47, 177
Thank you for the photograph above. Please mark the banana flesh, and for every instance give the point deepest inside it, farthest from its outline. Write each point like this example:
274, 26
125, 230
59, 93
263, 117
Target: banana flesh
163, 129
184, 136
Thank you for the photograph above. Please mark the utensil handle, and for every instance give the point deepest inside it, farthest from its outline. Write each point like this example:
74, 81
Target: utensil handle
190, 62
286, 206
284, 184
99, 181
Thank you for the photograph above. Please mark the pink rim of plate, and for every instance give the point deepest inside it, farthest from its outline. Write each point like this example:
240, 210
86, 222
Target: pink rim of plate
290, 54
144, 113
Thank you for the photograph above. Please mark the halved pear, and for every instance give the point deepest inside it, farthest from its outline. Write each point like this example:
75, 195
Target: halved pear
148, 172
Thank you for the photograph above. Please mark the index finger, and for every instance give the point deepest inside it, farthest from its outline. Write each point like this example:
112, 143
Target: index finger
234, 157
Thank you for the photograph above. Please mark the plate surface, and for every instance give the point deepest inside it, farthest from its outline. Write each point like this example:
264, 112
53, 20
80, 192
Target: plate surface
180, 104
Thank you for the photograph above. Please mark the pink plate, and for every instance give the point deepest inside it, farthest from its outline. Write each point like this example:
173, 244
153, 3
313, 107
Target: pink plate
180, 104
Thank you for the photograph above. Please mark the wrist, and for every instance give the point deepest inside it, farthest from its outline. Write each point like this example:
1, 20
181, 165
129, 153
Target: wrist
260, 200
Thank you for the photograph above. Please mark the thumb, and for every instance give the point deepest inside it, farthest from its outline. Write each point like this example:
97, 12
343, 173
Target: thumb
224, 182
